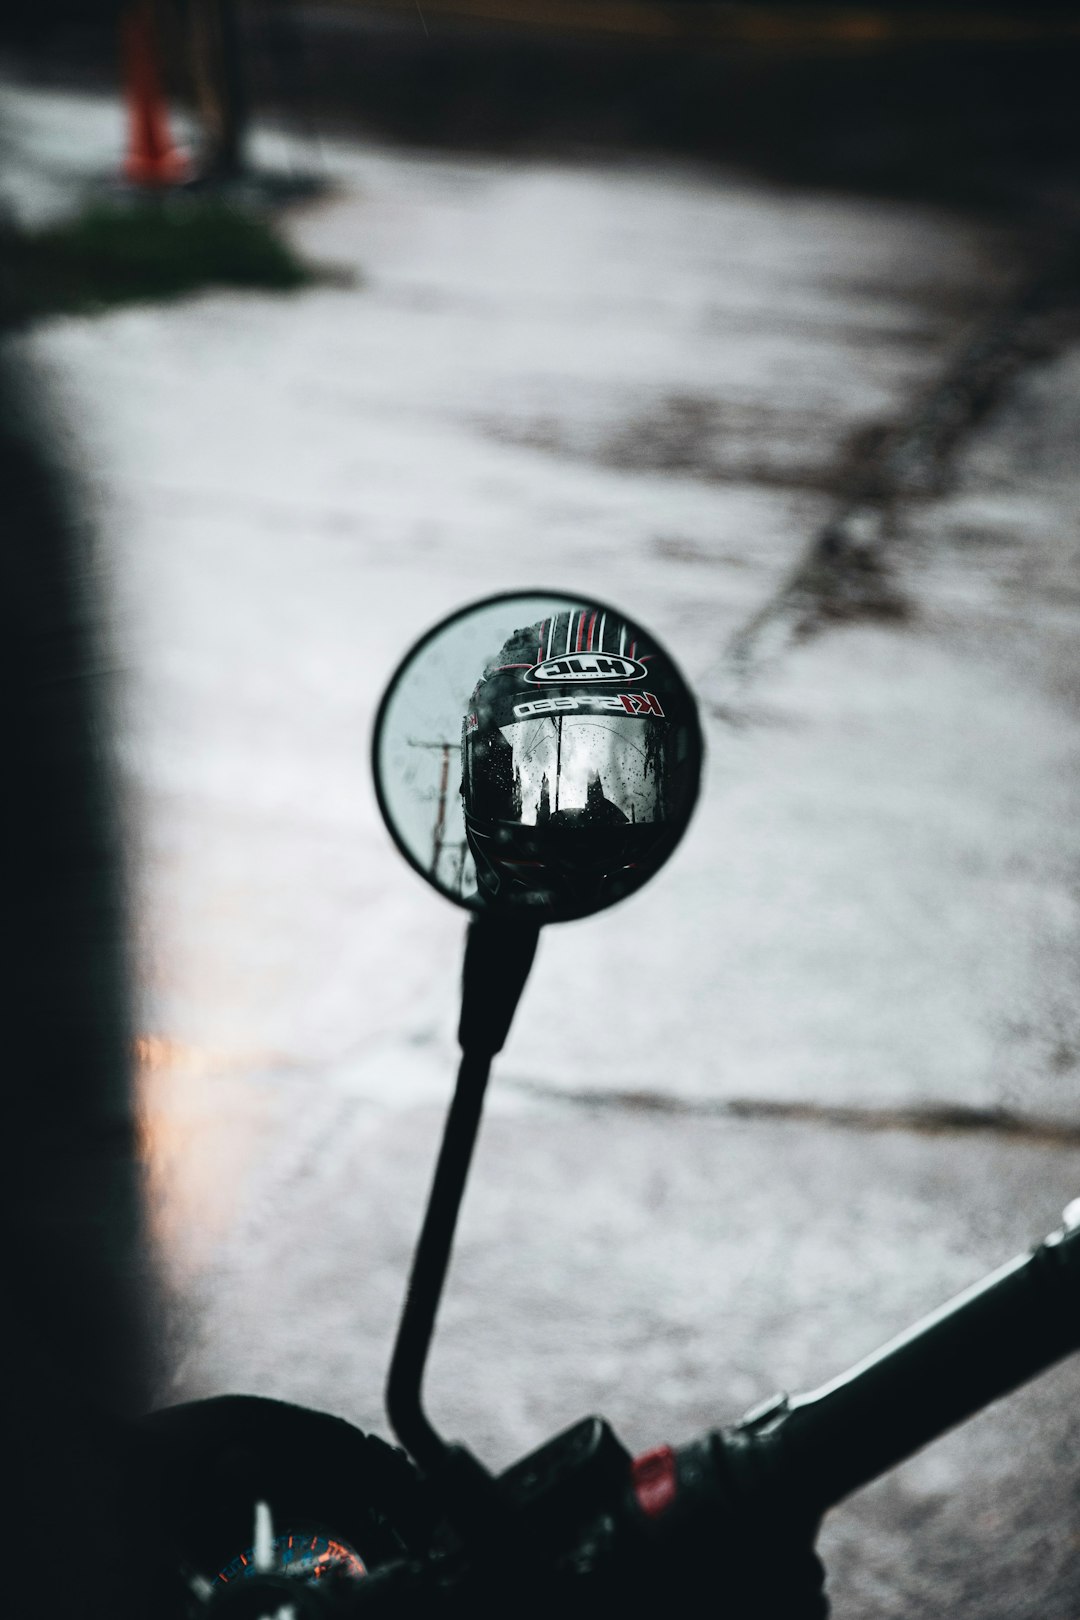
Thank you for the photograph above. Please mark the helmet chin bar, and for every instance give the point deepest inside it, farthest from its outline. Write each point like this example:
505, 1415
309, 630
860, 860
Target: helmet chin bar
561, 871
499, 952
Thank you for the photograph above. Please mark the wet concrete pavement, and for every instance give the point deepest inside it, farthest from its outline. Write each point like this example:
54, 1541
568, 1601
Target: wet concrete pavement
644, 383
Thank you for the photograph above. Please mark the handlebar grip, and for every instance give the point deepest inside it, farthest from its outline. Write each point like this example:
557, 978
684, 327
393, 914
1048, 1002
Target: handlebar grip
810, 1451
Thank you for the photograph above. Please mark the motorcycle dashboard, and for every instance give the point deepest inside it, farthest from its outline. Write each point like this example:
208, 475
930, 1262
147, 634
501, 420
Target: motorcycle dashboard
337, 1502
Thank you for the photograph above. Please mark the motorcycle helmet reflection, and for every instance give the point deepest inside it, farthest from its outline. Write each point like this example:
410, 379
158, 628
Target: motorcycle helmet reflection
580, 756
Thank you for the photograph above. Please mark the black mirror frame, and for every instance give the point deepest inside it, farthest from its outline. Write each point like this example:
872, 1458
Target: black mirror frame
418, 647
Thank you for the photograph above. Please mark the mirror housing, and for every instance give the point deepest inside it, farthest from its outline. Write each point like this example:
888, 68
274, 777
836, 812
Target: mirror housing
537, 756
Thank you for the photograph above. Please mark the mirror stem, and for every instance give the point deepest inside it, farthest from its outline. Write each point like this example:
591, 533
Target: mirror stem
498, 956
404, 1404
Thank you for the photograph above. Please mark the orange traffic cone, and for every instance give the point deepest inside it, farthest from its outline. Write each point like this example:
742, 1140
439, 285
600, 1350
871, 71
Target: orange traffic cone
152, 158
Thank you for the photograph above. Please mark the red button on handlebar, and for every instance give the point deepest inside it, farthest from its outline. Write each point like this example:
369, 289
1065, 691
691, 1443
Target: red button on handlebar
654, 1480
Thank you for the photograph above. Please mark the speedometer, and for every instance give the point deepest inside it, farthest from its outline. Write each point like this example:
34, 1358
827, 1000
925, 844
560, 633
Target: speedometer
253, 1486
306, 1553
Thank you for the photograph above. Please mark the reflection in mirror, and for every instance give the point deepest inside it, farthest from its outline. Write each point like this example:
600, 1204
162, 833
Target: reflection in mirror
537, 755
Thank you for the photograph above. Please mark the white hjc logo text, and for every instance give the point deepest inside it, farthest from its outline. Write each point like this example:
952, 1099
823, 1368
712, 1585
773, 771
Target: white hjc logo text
586, 667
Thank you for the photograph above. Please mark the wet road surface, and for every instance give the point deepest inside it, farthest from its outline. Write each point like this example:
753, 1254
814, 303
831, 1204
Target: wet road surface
645, 383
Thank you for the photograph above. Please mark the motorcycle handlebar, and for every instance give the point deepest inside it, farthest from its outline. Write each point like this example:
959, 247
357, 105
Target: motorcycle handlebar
805, 1453
580, 1508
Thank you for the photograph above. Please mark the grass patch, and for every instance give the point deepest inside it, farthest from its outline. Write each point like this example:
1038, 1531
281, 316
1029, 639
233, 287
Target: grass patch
139, 252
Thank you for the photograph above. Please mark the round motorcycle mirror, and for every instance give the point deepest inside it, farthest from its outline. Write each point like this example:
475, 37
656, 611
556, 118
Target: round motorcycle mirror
537, 756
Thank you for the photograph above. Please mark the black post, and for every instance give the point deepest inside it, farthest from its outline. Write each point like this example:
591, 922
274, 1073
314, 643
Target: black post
220, 90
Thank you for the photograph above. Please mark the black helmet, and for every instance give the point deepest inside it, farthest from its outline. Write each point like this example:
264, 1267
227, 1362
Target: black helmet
580, 753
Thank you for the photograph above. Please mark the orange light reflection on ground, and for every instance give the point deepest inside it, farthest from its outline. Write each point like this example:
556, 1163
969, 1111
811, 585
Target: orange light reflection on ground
201, 1124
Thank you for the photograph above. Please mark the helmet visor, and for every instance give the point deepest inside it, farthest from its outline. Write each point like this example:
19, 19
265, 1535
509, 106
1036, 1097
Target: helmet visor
595, 770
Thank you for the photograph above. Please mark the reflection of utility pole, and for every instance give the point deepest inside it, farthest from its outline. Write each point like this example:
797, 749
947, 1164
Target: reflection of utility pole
440, 814
558, 756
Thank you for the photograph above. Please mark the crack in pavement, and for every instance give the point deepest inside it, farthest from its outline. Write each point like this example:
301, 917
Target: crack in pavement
845, 573
924, 1119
